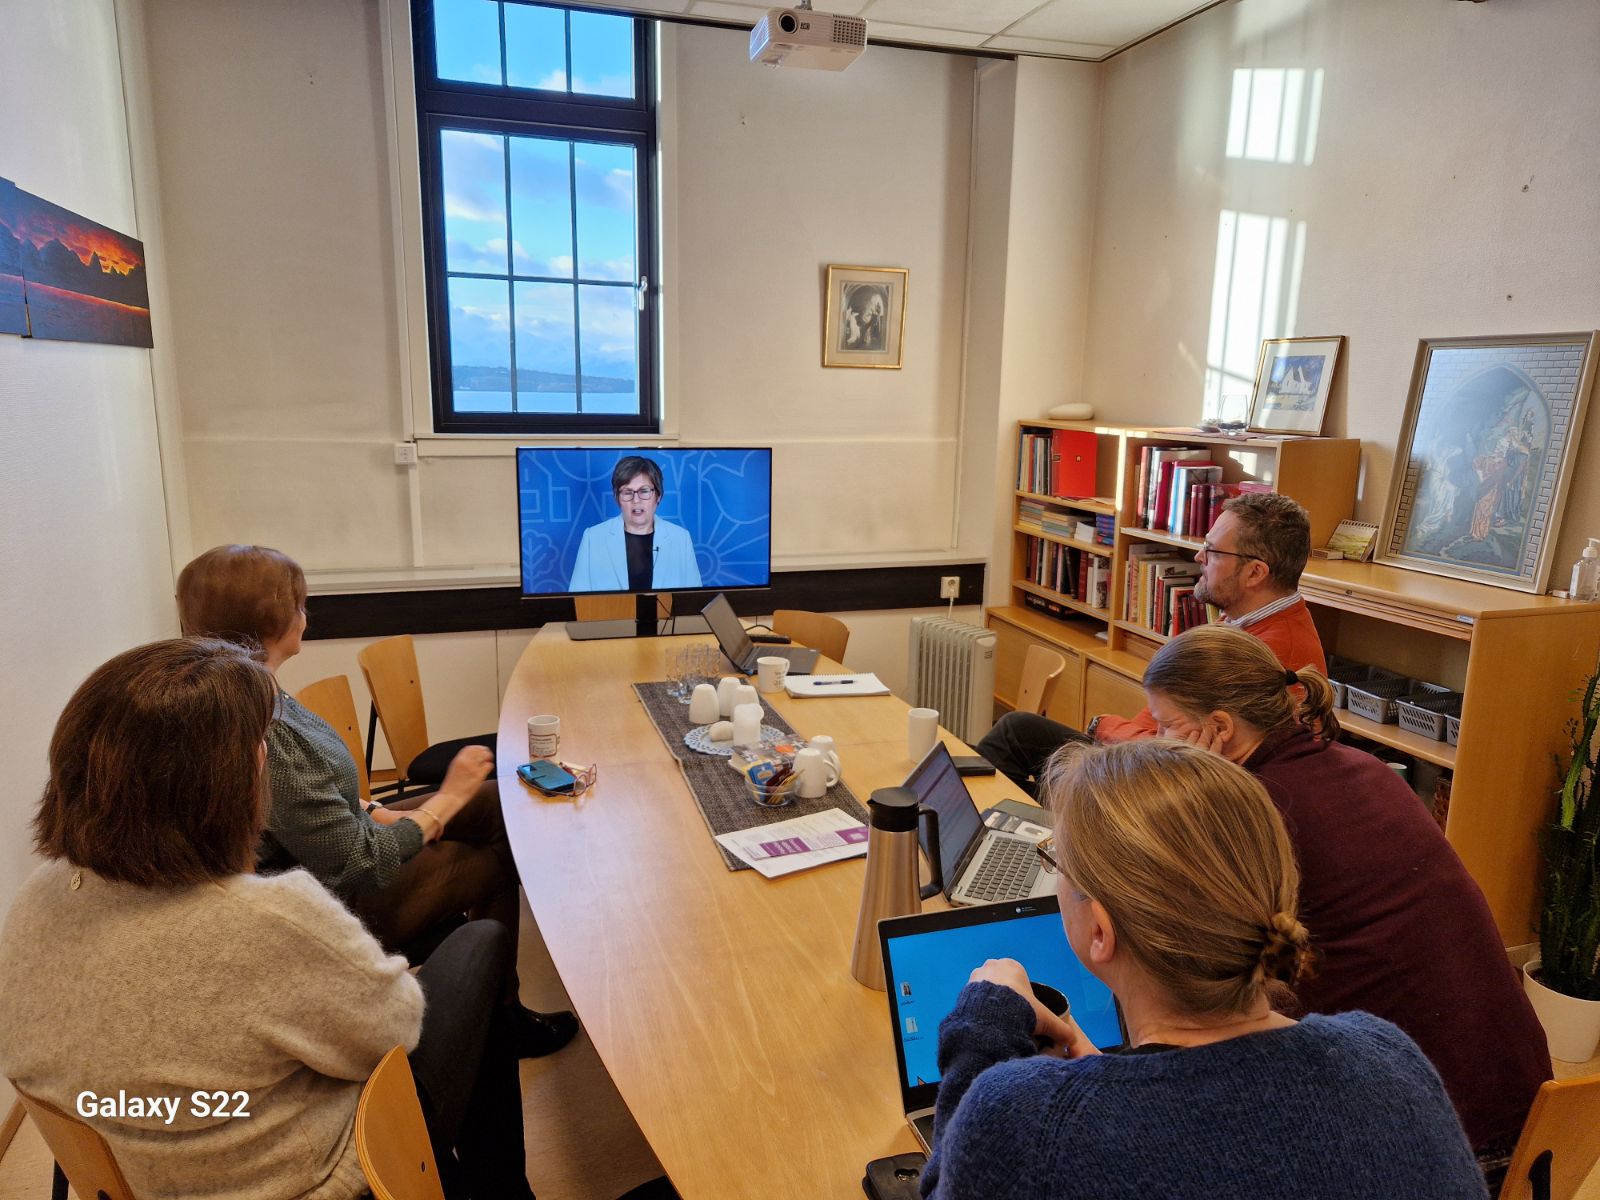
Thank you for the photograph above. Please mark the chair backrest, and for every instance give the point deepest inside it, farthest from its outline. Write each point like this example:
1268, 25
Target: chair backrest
333, 701
390, 668
391, 1136
1560, 1142
604, 608
79, 1150
817, 630
1041, 668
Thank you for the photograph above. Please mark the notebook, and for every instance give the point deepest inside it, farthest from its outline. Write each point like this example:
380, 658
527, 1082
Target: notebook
976, 862
927, 958
741, 651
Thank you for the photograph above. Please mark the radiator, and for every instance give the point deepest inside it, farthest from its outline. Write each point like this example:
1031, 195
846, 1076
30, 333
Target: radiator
952, 670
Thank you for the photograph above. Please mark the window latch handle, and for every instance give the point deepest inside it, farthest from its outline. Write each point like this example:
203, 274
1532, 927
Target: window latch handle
641, 291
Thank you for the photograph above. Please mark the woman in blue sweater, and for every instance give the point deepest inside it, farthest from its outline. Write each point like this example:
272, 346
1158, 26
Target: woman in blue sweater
1179, 890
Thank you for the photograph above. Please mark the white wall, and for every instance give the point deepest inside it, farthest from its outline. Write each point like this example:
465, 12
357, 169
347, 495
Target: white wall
82, 531
1451, 192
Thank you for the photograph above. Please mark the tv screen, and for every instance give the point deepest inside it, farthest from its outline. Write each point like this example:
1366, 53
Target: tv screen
601, 519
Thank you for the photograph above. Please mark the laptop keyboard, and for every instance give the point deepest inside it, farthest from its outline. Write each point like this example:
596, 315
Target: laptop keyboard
1007, 872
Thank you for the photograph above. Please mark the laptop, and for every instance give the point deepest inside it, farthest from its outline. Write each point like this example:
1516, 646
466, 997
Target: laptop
927, 958
741, 651
979, 860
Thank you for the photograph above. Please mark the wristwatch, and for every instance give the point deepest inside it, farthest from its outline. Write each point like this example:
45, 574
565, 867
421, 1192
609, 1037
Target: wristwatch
372, 806
1094, 723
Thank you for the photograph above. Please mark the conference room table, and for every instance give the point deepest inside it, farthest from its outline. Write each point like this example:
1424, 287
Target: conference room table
721, 1003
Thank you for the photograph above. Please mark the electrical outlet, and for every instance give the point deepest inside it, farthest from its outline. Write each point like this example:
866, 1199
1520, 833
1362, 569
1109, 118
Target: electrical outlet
405, 454
949, 587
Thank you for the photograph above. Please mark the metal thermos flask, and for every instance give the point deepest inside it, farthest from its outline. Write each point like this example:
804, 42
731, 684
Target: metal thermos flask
891, 887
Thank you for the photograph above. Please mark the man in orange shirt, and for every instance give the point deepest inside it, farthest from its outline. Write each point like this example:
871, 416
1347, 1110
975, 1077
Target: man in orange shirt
1250, 569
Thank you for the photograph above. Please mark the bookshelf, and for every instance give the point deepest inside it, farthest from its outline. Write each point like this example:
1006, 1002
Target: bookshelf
1516, 658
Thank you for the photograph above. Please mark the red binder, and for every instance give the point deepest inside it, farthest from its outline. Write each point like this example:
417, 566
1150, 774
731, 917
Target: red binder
1073, 453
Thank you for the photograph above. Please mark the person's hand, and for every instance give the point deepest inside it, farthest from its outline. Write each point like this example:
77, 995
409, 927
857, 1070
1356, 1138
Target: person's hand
1064, 1038
469, 768
1206, 736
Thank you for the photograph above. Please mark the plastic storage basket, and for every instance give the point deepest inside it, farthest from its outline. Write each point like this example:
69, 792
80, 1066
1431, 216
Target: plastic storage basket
1344, 672
1427, 712
1377, 699
1452, 728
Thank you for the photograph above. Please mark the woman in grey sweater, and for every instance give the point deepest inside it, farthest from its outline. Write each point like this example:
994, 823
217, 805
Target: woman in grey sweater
214, 1025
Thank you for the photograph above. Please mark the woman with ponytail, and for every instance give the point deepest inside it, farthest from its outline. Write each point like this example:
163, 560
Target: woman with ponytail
1178, 889
1400, 928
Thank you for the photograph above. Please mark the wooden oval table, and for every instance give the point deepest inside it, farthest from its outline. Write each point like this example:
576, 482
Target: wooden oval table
720, 1002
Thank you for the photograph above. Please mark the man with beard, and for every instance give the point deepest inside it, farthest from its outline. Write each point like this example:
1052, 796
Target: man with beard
1250, 562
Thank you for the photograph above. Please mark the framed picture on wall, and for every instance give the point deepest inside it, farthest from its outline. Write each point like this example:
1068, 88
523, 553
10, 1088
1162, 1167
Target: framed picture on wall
1293, 379
1485, 455
864, 316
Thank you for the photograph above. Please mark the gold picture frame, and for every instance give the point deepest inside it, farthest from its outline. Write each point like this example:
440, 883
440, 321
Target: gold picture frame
864, 316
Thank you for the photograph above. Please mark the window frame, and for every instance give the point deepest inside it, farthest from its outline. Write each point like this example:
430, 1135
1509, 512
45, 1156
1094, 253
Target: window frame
526, 112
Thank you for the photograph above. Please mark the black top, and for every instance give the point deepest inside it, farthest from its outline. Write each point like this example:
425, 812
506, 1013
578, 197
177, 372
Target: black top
641, 560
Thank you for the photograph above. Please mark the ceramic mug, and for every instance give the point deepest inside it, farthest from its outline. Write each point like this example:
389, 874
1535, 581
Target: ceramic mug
825, 743
747, 725
727, 687
544, 736
703, 704
770, 672
922, 731
816, 773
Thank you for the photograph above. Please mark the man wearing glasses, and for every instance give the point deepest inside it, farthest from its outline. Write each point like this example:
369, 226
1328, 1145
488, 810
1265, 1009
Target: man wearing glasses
1250, 569
635, 551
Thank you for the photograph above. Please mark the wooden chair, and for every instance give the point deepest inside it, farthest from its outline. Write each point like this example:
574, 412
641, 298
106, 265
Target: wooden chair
333, 701
817, 630
604, 608
390, 668
1560, 1142
391, 1136
1041, 668
82, 1156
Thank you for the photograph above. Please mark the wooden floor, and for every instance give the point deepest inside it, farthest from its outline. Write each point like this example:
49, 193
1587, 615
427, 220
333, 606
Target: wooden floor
582, 1142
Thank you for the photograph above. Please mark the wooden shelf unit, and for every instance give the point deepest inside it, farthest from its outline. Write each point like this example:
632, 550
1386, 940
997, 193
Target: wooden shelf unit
1517, 658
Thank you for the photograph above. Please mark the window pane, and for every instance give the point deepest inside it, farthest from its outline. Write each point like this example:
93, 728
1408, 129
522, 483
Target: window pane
607, 202
467, 40
480, 345
541, 207
536, 47
608, 332
546, 366
602, 55
474, 201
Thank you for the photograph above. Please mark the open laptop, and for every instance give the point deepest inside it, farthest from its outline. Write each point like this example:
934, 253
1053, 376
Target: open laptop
978, 862
927, 958
741, 651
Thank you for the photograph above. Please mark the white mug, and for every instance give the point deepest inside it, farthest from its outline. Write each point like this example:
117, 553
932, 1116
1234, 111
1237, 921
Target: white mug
746, 694
922, 731
825, 743
726, 687
703, 704
816, 773
747, 725
770, 672
544, 736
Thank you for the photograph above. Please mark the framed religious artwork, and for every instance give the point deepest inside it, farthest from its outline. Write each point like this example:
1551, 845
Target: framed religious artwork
864, 317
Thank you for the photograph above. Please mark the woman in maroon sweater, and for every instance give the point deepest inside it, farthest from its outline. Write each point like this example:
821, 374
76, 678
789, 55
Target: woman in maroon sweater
1402, 929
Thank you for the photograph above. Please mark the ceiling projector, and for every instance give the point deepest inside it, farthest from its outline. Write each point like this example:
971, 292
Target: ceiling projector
798, 37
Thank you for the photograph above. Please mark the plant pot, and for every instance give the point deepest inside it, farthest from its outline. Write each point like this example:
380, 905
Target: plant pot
1571, 1026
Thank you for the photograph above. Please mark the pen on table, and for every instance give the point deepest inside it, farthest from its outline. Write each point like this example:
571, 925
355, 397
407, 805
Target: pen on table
829, 682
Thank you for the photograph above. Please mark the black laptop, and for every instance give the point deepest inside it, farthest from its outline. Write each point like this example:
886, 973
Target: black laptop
741, 651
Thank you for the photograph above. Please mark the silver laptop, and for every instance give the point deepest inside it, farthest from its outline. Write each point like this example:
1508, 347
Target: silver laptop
741, 651
978, 861
927, 958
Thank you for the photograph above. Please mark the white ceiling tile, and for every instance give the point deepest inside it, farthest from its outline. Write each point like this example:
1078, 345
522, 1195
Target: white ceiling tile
1050, 46
1102, 22
886, 31
980, 16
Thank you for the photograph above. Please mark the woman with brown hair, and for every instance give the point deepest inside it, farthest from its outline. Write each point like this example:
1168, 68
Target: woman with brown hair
410, 869
1401, 929
1178, 890
145, 961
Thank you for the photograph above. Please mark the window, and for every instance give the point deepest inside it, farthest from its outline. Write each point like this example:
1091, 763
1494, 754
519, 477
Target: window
537, 139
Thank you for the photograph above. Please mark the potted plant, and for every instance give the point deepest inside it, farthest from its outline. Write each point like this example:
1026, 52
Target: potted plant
1564, 981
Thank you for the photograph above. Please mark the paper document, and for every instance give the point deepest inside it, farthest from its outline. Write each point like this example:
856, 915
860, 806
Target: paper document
788, 846
858, 683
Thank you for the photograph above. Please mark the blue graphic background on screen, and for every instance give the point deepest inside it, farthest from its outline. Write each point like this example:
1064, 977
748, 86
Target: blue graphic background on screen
721, 497
936, 965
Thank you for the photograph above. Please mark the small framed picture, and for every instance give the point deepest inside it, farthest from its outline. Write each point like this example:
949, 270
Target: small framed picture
1293, 379
864, 319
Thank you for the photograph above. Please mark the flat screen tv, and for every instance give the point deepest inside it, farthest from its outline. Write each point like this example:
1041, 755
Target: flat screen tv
700, 519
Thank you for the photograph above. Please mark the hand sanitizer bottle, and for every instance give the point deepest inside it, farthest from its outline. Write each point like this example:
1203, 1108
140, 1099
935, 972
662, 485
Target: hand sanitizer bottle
1586, 573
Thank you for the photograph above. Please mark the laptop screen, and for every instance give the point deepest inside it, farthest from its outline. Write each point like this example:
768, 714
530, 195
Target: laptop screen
928, 957
735, 642
938, 787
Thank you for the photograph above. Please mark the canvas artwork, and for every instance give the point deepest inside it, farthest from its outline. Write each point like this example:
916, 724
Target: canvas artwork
1491, 429
82, 281
13, 309
864, 317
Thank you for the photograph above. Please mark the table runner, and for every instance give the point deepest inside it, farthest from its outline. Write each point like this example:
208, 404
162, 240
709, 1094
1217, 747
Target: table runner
718, 790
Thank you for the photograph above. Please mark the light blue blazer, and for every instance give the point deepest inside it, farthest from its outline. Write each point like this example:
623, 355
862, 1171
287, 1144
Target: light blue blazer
602, 564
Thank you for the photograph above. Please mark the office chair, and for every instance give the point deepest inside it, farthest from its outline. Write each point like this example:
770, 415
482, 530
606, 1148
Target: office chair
1560, 1142
82, 1156
1041, 669
817, 630
391, 1136
390, 668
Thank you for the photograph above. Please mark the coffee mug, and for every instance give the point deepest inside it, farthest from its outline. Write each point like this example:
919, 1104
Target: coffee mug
747, 725
770, 671
922, 731
544, 736
746, 693
703, 704
825, 743
727, 686
816, 773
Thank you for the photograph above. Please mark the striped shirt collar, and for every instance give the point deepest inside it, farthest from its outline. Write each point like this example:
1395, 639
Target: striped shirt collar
1265, 611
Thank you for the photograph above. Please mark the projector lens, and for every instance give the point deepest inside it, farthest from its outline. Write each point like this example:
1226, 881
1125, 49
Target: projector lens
787, 22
